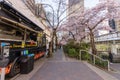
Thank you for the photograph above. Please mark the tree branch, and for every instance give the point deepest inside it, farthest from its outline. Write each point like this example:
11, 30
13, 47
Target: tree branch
67, 16
98, 23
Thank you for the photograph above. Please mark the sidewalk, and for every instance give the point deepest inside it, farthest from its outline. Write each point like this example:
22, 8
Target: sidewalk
60, 68
37, 66
116, 70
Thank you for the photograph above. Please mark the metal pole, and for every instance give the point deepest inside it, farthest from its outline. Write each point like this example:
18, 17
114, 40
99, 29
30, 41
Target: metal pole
3, 74
108, 66
94, 59
80, 54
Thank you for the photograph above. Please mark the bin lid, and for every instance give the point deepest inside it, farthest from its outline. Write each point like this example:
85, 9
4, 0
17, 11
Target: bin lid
30, 55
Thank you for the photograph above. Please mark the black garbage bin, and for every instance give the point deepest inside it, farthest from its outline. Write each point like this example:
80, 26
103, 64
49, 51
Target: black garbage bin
27, 64
3, 61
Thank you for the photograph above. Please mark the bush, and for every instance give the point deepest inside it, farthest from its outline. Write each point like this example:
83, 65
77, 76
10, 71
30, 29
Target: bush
72, 53
72, 48
84, 55
65, 49
102, 64
104, 56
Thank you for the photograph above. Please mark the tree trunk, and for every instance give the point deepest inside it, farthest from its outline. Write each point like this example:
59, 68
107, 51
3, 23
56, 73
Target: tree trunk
56, 41
53, 43
94, 51
50, 54
55, 38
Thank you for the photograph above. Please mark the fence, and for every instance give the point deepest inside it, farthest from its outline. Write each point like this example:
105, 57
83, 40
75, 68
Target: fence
93, 59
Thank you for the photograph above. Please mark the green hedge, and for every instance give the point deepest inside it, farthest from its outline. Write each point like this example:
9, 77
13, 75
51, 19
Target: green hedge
100, 63
72, 49
72, 53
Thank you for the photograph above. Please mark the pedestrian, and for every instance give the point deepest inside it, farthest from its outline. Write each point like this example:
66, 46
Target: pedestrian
110, 56
59, 45
47, 49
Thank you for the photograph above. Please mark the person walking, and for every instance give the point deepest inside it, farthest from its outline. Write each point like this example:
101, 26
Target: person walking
110, 56
47, 49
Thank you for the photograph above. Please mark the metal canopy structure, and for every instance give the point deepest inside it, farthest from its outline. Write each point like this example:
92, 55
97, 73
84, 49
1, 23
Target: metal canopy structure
20, 16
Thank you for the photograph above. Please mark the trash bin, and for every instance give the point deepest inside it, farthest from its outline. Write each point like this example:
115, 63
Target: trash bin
27, 64
3, 61
31, 61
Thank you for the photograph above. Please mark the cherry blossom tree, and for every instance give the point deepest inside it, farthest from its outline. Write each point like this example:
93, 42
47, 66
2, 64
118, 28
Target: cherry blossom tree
83, 24
58, 17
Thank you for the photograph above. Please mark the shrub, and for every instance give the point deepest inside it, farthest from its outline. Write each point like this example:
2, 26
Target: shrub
104, 56
65, 49
100, 63
72, 53
84, 55
72, 48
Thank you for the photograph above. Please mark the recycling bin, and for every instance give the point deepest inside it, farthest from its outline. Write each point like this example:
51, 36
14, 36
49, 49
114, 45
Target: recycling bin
27, 64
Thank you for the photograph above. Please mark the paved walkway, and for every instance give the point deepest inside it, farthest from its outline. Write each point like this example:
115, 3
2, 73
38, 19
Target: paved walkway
116, 68
60, 68
38, 64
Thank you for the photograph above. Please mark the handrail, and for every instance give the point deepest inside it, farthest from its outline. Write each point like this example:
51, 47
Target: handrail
94, 58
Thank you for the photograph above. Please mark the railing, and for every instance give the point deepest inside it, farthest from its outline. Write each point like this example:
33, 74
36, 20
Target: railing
93, 59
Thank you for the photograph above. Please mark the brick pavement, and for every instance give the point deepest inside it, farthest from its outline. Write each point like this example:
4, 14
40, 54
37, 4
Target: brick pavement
116, 70
37, 66
58, 68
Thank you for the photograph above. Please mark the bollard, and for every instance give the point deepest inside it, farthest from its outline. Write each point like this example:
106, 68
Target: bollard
80, 55
108, 65
3, 64
94, 59
3, 74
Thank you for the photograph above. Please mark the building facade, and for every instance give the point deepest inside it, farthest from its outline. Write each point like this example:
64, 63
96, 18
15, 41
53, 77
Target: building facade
115, 22
37, 10
75, 6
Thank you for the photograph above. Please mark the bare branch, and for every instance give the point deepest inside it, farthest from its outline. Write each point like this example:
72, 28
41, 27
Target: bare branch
45, 19
58, 10
98, 23
74, 11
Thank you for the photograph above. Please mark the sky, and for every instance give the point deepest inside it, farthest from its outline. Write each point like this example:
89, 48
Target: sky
91, 3
88, 3
46, 2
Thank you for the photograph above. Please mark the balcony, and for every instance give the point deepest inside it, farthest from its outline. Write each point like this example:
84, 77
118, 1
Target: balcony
107, 37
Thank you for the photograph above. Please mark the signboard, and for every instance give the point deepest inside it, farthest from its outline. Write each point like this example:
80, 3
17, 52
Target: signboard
5, 49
